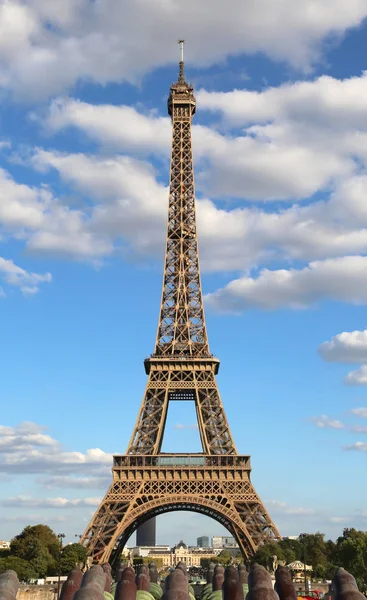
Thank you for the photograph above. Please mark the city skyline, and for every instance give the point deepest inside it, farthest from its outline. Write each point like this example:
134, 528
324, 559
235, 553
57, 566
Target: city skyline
279, 152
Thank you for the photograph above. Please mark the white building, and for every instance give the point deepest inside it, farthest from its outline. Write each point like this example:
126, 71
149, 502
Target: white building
181, 553
144, 551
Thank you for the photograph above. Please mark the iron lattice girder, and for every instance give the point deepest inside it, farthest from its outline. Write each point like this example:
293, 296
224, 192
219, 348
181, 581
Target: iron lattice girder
181, 328
217, 482
166, 378
144, 486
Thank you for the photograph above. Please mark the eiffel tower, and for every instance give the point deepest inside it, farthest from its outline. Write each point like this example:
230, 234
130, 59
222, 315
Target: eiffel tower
147, 482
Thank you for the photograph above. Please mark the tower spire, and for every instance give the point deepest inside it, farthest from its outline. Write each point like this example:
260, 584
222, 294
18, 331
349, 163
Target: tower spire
181, 73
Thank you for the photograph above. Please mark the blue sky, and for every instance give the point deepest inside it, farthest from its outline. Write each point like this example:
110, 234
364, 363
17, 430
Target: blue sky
280, 141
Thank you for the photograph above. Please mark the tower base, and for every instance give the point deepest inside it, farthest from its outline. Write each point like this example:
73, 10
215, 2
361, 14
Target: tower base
144, 487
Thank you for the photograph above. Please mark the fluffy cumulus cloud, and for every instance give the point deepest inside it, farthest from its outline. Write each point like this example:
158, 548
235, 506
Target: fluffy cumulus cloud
340, 279
317, 128
357, 377
255, 164
121, 127
47, 46
128, 204
346, 347
314, 130
235, 165
27, 449
34, 215
332, 103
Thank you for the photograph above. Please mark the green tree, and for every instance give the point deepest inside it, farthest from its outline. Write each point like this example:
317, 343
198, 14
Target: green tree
72, 556
314, 553
351, 553
23, 568
265, 554
290, 550
205, 562
39, 546
224, 557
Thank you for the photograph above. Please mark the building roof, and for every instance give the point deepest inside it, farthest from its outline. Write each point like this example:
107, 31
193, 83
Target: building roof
297, 565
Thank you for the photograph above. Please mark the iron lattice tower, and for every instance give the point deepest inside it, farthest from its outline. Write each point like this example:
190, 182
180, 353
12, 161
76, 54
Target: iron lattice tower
147, 482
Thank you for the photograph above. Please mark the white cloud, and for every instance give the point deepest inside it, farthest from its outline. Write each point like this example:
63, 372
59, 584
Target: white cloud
27, 449
46, 47
129, 204
358, 446
30, 519
59, 503
255, 165
321, 121
358, 377
319, 126
122, 127
324, 422
346, 347
66, 481
129, 210
183, 426
35, 216
341, 279
21, 206
358, 429
332, 103
123, 206
360, 412
26, 281
340, 519
281, 508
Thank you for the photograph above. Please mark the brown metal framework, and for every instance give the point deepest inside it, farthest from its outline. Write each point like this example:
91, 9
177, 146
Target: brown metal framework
145, 481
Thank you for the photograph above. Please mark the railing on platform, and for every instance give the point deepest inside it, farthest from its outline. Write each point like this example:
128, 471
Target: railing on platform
182, 460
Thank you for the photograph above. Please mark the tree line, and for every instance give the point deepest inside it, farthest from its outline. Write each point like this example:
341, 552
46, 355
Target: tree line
37, 553
325, 556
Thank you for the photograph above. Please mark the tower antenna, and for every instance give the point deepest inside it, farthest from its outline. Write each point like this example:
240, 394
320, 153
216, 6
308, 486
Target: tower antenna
181, 75
181, 42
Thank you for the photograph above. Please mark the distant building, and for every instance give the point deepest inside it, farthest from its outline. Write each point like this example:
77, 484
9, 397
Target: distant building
146, 533
53, 580
291, 537
4, 545
171, 557
222, 541
203, 542
145, 551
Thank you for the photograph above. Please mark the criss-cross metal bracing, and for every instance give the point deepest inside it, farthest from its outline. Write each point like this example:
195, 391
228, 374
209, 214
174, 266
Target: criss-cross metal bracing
181, 328
181, 368
144, 487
